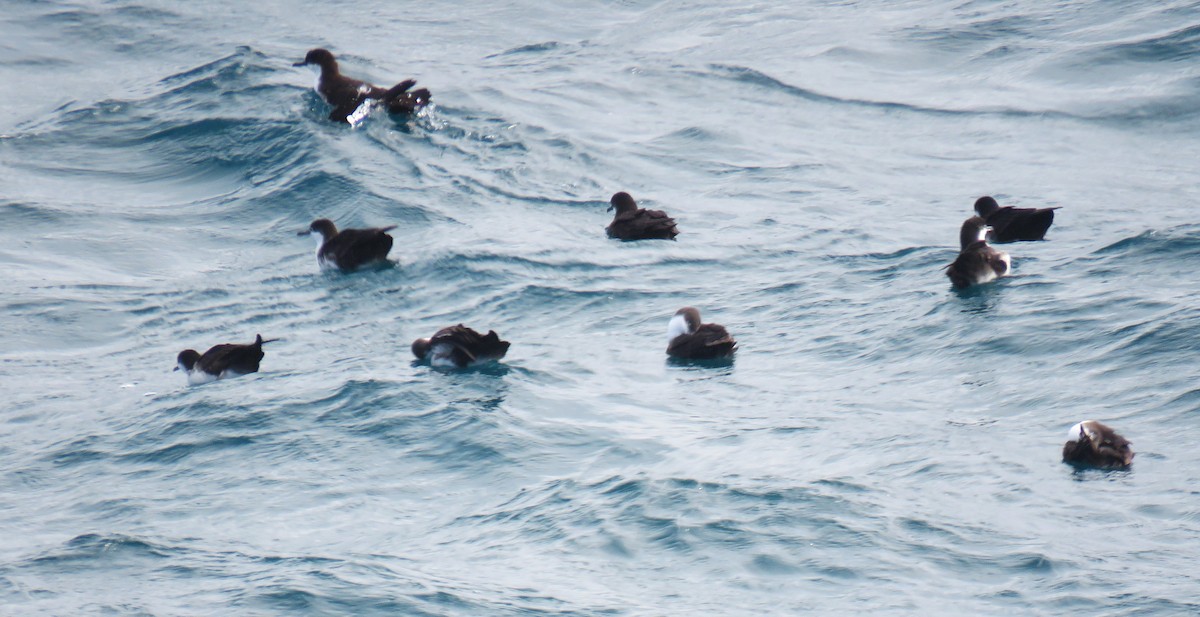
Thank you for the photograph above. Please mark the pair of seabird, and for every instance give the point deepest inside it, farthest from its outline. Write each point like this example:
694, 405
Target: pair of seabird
347, 95
455, 347
350, 249
977, 261
459, 346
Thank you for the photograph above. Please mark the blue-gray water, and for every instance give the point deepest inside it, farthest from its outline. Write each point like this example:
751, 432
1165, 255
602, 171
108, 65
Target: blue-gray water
881, 444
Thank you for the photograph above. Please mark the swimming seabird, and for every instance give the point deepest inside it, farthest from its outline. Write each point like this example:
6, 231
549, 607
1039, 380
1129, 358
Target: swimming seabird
977, 262
1092, 443
634, 223
346, 94
459, 347
691, 340
349, 249
222, 361
1011, 224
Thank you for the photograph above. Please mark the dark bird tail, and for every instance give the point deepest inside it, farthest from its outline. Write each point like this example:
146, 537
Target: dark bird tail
400, 100
399, 89
491, 346
422, 95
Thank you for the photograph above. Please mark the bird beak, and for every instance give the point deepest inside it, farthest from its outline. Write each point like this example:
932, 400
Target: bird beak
176, 369
299, 64
304, 233
610, 208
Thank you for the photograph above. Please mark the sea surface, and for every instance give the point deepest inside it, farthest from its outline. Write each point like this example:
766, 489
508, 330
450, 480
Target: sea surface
882, 444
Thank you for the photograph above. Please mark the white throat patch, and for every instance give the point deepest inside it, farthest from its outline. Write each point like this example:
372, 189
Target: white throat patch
317, 77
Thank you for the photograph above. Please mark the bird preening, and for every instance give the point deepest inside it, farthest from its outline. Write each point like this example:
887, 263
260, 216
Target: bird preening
459, 347
1093, 444
688, 339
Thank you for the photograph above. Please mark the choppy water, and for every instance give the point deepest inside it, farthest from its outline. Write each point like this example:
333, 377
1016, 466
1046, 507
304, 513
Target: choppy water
881, 443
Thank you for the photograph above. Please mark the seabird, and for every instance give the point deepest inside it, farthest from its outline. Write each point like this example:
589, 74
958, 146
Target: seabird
1094, 444
346, 94
222, 361
349, 249
691, 340
459, 347
1011, 224
977, 262
634, 223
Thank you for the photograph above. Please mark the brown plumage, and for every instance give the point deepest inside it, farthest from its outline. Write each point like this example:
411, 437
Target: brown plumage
460, 347
221, 361
691, 340
1011, 224
349, 249
346, 94
1092, 443
634, 223
977, 262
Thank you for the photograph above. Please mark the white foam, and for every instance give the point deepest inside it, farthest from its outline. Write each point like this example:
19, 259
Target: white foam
360, 114
677, 327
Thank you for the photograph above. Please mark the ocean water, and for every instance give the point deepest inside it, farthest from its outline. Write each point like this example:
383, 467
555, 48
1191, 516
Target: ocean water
881, 442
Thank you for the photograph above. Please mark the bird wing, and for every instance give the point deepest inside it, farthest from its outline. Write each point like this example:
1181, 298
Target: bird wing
997, 262
352, 247
1011, 224
351, 92
230, 357
708, 341
466, 345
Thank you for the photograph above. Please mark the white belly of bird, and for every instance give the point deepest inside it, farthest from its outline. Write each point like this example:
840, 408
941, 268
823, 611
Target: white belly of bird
985, 275
196, 377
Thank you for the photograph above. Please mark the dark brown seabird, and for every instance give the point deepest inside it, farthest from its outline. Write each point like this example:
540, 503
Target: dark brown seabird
1094, 444
349, 249
459, 347
346, 94
977, 262
222, 361
1011, 224
691, 340
634, 223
